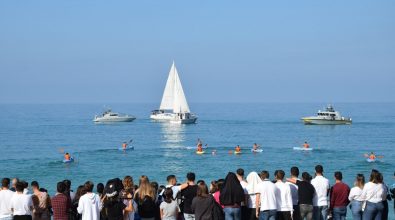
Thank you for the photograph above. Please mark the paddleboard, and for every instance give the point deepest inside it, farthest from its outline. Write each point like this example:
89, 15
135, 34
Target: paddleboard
127, 148
370, 160
237, 152
200, 152
302, 148
69, 161
256, 151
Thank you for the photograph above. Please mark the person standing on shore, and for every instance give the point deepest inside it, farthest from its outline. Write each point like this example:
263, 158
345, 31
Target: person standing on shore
5, 200
169, 207
355, 197
202, 203
21, 204
283, 197
60, 203
253, 181
320, 201
41, 203
339, 198
89, 204
243, 183
294, 192
374, 193
266, 203
306, 193
189, 193
231, 197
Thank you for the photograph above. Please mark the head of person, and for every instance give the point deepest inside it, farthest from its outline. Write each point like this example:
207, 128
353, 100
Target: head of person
265, 175
34, 185
25, 184
128, 184
306, 177
146, 189
200, 182
168, 195
19, 187
319, 170
171, 180
5, 183
359, 180
213, 186
67, 183
232, 192
191, 177
338, 176
202, 190
220, 184
143, 180
14, 181
80, 192
280, 175
155, 186
253, 180
295, 172
100, 188
61, 187
240, 173
88, 185
374, 176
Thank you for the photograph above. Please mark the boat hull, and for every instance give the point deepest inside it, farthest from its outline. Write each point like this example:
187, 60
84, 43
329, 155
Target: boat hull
314, 121
184, 121
123, 119
173, 118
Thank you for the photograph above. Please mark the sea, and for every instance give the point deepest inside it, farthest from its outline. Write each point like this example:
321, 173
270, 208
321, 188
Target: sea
33, 138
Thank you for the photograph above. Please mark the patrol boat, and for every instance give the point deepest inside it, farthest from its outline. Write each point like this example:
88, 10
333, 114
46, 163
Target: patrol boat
327, 117
109, 116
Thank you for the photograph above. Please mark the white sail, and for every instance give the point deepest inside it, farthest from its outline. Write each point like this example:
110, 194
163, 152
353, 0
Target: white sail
180, 102
168, 95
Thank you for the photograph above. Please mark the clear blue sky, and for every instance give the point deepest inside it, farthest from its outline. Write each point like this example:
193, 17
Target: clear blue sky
225, 51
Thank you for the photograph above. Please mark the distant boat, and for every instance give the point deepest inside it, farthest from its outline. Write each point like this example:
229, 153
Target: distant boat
327, 117
174, 107
109, 116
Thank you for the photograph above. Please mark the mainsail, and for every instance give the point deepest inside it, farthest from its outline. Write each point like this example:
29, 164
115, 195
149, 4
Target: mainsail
173, 96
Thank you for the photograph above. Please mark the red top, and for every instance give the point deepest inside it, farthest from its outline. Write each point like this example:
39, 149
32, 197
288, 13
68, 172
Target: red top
60, 206
339, 195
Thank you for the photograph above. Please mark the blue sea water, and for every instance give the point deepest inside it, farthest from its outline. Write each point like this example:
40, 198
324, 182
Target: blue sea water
32, 137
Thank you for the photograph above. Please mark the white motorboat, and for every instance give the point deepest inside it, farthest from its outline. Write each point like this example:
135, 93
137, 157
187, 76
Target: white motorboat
109, 116
174, 107
327, 117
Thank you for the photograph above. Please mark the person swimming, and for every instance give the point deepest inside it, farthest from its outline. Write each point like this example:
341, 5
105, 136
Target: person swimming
67, 156
237, 149
255, 146
306, 145
372, 156
124, 145
199, 148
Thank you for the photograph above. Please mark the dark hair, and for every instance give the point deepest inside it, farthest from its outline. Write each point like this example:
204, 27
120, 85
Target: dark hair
19, 186
200, 181
338, 175
220, 184
375, 176
25, 184
265, 174
202, 190
295, 171
155, 185
80, 192
43, 190
191, 176
280, 174
34, 184
170, 177
360, 180
168, 195
89, 186
306, 176
214, 189
5, 182
240, 172
100, 188
319, 169
67, 183
61, 187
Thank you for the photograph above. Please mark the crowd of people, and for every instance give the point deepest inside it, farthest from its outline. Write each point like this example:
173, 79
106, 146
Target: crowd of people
236, 197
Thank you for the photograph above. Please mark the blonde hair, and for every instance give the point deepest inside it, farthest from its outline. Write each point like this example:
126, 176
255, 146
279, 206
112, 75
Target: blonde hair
145, 188
128, 184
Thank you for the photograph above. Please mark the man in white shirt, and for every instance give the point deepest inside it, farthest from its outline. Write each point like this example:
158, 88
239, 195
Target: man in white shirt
266, 203
172, 183
283, 197
5, 200
89, 204
320, 201
243, 183
21, 204
294, 193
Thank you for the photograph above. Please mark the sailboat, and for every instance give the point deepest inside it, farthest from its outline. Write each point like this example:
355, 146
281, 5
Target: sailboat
174, 107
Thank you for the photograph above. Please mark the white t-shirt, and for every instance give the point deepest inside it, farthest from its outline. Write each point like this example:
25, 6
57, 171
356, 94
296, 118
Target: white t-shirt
373, 192
283, 197
252, 201
169, 210
294, 192
244, 185
89, 206
321, 186
5, 203
355, 194
267, 191
21, 204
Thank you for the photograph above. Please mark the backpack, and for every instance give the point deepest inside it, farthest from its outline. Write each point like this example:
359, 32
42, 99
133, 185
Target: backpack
147, 207
217, 212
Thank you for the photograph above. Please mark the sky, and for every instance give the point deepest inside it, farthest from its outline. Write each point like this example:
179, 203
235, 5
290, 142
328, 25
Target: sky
225, 51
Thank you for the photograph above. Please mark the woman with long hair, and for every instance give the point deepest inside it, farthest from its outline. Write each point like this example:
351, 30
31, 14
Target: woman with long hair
145, 199
355, 197
253, 179
374, 193
169, 207
127, 196
74, 213
231, 197
217, 193
202, 203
